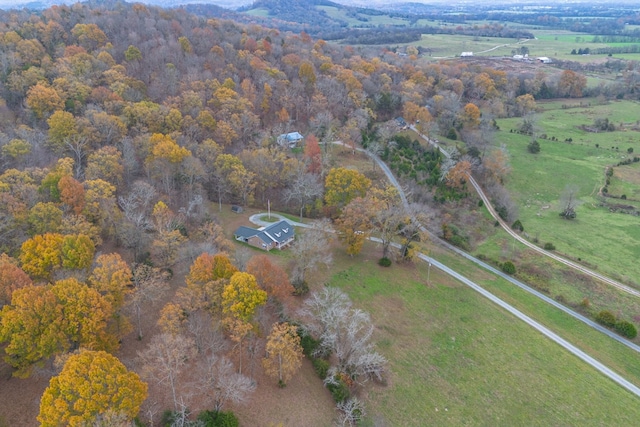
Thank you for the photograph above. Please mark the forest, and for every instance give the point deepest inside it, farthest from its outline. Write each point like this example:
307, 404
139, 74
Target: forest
126, 129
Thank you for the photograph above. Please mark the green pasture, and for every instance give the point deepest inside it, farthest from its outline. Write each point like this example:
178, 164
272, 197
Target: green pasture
452, 45
608, 241
261, 12
367, 20
457, 359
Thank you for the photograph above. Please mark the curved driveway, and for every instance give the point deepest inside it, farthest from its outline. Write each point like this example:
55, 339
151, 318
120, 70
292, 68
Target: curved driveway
505, 226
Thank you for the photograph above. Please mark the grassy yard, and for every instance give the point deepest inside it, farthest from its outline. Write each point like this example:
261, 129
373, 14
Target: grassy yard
456, 359
606, 240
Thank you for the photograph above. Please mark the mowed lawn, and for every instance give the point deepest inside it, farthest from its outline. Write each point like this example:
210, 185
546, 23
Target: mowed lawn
609, 241
457, 359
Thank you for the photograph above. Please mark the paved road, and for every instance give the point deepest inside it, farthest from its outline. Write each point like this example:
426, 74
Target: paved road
545, 331
514, 311
505, 226
490, 268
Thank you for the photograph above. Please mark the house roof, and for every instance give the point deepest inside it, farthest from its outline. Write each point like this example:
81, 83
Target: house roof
281, 231
292, 136
278, 232
245, 232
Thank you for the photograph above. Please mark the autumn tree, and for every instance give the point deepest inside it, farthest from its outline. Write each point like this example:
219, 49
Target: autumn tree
242, 296
470, 116
111, 276
458, 175
90, 384
270, 277
207, 278
41, 254
62, 126
43, 100
71, 194
525, 104
284, 352
105, 164
571, 84
42, 321
354, 225
44, 217
165, 158
313, 154
12, 277
343, 185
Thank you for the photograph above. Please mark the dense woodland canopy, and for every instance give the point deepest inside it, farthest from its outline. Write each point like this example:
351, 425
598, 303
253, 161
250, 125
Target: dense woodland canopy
127, 126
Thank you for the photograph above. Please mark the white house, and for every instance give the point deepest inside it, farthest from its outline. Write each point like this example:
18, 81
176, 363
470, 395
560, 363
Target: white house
466, 54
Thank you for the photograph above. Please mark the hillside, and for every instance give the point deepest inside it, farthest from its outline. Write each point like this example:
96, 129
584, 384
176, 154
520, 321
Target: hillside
128, 131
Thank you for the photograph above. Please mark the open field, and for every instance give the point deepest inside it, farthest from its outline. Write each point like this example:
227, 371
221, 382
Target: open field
456, 359
608, 241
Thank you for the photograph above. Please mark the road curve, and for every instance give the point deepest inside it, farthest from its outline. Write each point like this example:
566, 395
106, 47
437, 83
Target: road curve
505, 226
256, 219
488, 267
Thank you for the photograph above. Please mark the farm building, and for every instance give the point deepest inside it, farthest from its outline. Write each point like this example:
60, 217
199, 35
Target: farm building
289, 139
277, 235
544, 60
466, 54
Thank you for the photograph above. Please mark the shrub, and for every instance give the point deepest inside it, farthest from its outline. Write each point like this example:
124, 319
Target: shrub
626, 329
339, 389
452, 134
480, 203
549, 246
321, 367
508, 267
534, 147
308, 343
517, 225
384, 262
218, 419
606, 318
300, 288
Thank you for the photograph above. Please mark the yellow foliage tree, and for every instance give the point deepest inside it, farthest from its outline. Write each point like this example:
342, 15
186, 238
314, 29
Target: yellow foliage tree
242, 296
41, 255
111, 276
343, 185
42, 321
90, 384
284, 352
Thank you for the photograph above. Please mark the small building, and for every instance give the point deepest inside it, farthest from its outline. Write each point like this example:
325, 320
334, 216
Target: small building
466, 54
544, 60
277, 235
289, 139
401, 122
237, 209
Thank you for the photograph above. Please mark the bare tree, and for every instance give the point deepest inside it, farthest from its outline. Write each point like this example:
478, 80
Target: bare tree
304, 188
569, 201
345, 332
164, 359
149, 284
311, 249
350, 412
223, 384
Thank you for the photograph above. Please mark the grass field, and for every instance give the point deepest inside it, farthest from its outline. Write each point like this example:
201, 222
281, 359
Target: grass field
607, 240
456, 359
